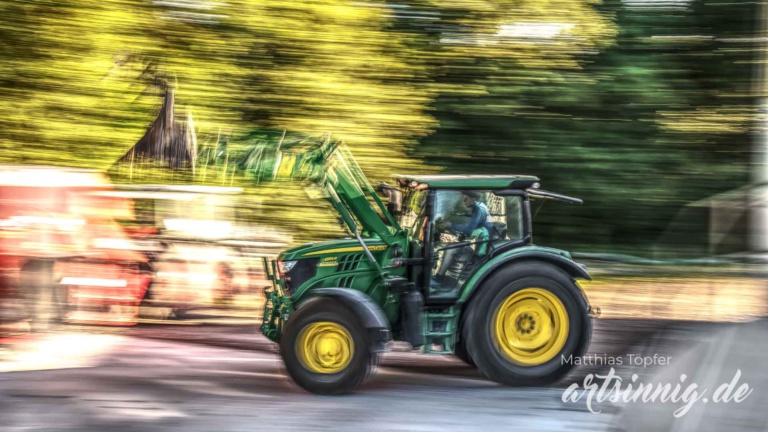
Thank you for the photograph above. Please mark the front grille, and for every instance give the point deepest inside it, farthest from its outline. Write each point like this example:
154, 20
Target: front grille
349, 262
346, 282
304, 270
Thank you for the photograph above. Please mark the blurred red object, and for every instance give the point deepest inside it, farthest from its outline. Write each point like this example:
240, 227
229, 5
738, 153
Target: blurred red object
63, 256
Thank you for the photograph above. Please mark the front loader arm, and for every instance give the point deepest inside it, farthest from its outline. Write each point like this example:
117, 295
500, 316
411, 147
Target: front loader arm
328, 164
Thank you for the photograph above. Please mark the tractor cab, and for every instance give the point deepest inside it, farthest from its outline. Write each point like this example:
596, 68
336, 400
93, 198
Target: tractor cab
458, 223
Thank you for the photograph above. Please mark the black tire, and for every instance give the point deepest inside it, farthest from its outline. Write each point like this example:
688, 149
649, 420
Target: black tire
479, 327
354, 374
460, 351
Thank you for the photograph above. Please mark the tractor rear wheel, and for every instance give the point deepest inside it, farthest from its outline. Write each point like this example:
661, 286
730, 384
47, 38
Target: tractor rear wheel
460, 351
326, 349
526, 324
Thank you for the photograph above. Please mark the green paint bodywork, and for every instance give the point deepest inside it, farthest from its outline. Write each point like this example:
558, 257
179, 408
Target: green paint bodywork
313, 250
343, 263
340, 263
514, 253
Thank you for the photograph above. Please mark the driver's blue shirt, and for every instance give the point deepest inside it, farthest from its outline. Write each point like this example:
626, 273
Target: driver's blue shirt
478, 219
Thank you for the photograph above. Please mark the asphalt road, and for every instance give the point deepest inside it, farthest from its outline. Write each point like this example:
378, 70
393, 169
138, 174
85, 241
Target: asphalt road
122, 383
225, 378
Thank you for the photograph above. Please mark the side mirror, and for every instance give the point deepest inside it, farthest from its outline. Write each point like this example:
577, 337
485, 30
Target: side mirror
395, 197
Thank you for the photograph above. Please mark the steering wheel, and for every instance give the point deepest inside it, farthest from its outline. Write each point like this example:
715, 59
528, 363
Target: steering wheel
442, 227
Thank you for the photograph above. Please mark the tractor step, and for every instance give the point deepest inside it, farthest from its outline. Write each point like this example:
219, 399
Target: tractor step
439, 334
441, 315
440, 331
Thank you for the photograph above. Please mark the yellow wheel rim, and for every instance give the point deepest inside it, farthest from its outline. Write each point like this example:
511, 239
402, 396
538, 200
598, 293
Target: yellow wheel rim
531, 326
325, 347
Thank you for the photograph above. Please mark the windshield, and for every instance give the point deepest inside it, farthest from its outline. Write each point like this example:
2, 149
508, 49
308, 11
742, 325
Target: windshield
504, 213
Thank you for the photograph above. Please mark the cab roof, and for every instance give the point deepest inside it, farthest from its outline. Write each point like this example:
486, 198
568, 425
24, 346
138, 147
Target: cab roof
465, 182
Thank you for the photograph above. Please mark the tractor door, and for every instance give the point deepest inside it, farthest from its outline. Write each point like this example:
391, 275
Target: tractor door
460, 230
455, 243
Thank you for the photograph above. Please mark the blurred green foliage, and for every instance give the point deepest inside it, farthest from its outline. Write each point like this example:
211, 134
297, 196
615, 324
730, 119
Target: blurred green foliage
660, 117
638, 107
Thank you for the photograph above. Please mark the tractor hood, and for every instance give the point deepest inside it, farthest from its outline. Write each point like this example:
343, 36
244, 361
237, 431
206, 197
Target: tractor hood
332, 247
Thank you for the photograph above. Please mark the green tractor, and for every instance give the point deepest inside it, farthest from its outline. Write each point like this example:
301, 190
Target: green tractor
421, 269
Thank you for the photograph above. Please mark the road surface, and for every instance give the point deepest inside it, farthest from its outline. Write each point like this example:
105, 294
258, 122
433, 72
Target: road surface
217, 379
121, 383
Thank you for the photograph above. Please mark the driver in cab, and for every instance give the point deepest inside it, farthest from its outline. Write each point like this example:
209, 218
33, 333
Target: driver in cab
477, 229
479, 218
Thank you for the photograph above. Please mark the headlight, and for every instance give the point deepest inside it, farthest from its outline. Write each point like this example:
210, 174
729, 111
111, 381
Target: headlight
285, 266
296, 273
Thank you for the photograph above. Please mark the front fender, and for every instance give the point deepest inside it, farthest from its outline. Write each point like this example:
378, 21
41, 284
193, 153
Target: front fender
369, 313
555, 257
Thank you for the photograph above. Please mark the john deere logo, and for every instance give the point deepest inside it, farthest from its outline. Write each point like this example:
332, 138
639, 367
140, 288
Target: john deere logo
328, 262
347, 249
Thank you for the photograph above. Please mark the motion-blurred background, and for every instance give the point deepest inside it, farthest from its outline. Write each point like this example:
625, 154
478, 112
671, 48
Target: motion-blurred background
647, 109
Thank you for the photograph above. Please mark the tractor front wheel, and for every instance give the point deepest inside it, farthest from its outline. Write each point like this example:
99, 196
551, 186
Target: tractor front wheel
325, 348
526, 325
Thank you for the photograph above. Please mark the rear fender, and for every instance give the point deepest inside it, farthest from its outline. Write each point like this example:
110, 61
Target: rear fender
369, 313
554, 257
560, 260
